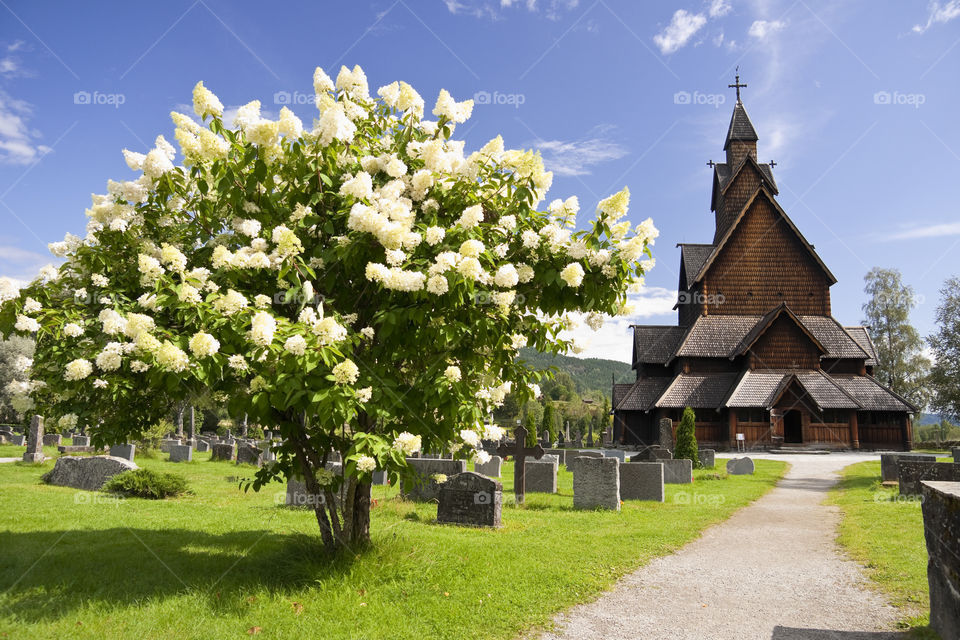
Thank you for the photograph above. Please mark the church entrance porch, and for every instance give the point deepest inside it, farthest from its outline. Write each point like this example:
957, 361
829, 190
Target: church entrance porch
792, 427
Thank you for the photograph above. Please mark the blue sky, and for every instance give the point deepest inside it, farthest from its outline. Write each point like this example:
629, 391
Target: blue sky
856, 101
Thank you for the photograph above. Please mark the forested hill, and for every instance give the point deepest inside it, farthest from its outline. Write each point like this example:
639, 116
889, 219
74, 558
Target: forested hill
587, 373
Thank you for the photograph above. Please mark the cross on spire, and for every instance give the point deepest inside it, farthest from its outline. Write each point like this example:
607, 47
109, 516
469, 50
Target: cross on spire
711, 164
737, 84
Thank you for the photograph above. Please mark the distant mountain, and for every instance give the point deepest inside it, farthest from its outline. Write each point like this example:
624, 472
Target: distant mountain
588, 373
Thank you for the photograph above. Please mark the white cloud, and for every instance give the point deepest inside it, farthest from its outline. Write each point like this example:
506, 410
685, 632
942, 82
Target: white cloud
760, 29
614, 340
17, 144
939, 14
21, 265
576, 157
9, 66
927, 231
677, 34
16, 46
719, 8
495, 9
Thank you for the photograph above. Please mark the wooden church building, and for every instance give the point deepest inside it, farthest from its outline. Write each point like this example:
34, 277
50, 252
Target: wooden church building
756, 350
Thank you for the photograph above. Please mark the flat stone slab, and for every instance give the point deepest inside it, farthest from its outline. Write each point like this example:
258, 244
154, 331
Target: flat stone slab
888, 463
81, 441
615, 453
572, 456
181, 453
708, 458
470, 499
956, 454
596, 483
912, 473
490, 469
677, 471
69, 448
641, 481
125, 451
941, 529
52, 440
740, 466
540, 476
87, 473
422, 487
222, 451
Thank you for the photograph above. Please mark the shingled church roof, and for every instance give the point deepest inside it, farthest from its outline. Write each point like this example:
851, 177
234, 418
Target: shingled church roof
740, 127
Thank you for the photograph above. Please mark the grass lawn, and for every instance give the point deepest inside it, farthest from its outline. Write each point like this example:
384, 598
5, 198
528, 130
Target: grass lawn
885, 533
224, 564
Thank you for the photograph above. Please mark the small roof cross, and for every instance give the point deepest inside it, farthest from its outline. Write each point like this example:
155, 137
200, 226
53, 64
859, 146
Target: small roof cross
737, 85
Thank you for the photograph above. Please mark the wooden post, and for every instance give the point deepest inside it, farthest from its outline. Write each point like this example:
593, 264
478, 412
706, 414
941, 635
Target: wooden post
854, 429
732, 428
907, 432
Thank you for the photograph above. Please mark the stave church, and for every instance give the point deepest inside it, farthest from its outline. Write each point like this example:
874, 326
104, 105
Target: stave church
756, 352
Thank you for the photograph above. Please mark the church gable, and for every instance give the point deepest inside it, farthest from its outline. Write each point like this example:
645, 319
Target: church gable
784, 344
763, 262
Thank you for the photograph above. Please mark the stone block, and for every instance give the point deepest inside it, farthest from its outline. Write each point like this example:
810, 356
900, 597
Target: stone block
222, 451
708, 458
34, 451
470, 499
124, 451
249, 454
912, 473
203, 446
740, 466
379, 477
18, 440
615, 453
87, 473
677, 471
181, 453
420, 486
888, 463
540, 476
596, 483
956, 454
572, 456
81, 441
560, 453
166, 444
490, 469
641, 481
69, 448
52, 440
941, 529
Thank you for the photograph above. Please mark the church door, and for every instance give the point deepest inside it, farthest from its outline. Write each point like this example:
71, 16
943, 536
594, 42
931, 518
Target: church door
792, 427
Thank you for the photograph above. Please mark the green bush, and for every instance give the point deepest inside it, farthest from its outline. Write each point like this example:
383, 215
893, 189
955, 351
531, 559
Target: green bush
144, 483
687, 438
151, 436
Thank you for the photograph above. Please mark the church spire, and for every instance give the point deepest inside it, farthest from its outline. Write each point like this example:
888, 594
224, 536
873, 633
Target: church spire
741, 136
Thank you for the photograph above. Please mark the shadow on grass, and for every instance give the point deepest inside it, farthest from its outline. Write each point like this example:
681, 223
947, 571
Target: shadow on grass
45, 575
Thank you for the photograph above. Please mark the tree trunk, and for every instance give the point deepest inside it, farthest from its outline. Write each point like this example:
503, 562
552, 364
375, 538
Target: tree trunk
357, 525
193, 423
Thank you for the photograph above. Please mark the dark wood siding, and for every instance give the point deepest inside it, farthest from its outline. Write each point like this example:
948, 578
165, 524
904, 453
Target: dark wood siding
784, 346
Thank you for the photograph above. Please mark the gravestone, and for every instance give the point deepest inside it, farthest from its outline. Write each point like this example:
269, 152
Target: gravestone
642, 481
379, 477
66, 448
52, 440
956, 454
619, 454
677, 471
249, 454
740, 466
268, 435
490, 469
941, 529
888, 463
653, 453
540, 476
596, 483
470, 499
202, 446
913, 472
124, 451
708, 458
298, 496
560, 453
222, 451
572, 457
18, 440
665, 433
545, 439
421, 486
166, 444
87, 473
181, 453
519, 452
81, 441
35, 441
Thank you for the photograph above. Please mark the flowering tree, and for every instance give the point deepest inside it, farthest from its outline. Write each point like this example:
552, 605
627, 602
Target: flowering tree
363, 286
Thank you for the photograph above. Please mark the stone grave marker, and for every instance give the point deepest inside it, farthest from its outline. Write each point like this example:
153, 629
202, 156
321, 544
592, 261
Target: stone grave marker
422, 487
619, 454
913, 472
18, 440
202, 446
490, 469
956, 454
249, 454
470, 499
35, 441
888, 463
642, 481
81, 441
596, 483
740, 466
573, 455
665, 439
52, 440
519, 452
540, 476
87, 473
560, 453
124, 451
708, 458
677, 471
941, 529
181, 453
378, 477
222, 451
169, 442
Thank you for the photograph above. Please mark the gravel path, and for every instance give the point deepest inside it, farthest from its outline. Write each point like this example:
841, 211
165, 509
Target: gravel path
771, 571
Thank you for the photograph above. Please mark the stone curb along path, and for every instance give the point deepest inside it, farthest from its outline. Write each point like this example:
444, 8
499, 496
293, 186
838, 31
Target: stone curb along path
772, 571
